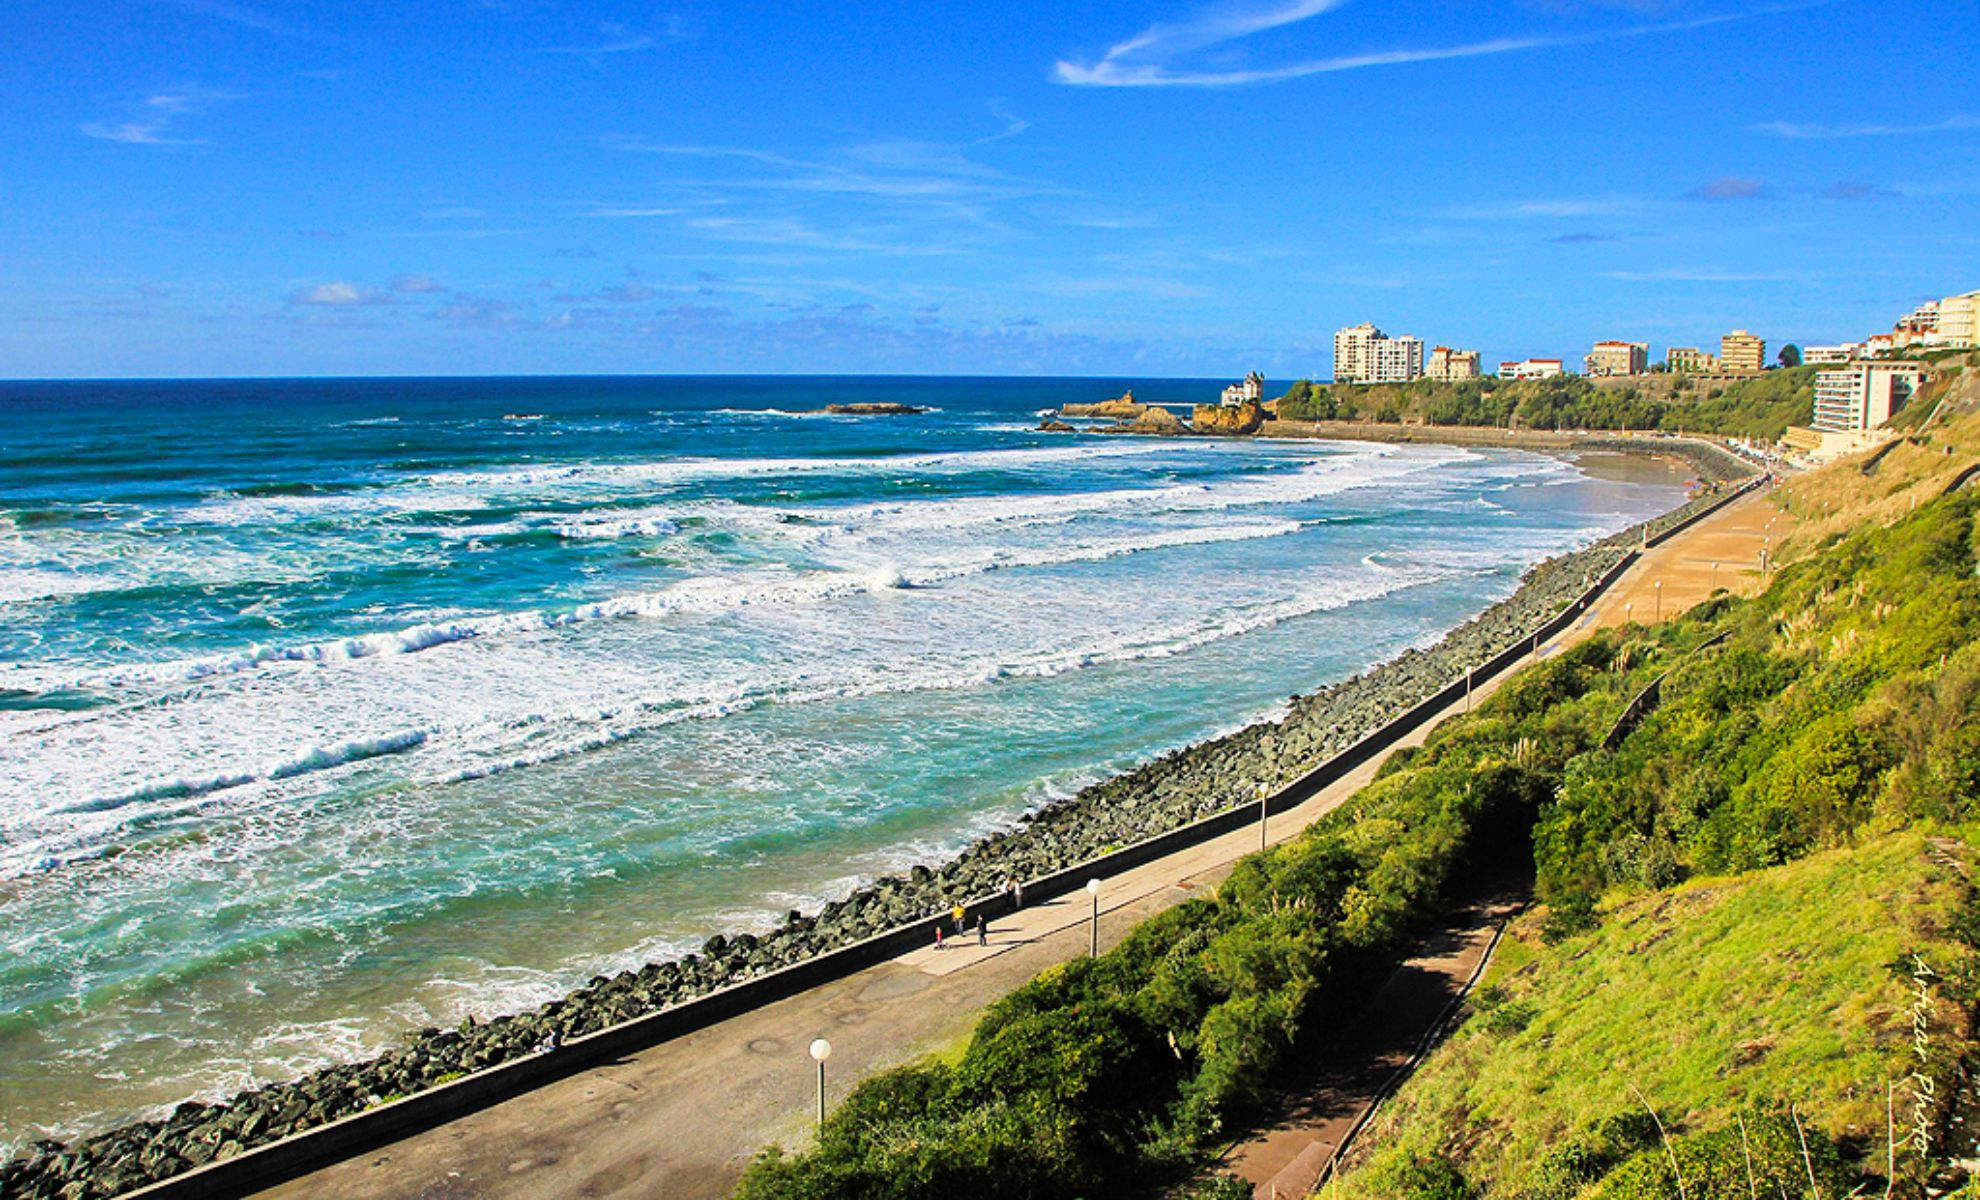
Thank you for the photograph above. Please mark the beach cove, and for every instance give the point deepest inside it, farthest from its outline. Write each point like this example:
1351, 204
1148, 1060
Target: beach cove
1103, 817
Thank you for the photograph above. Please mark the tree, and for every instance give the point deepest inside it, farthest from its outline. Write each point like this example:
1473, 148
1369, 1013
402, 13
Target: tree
1790, 355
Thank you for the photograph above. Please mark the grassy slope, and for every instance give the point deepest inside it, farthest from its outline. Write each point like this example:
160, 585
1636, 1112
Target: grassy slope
1718, 994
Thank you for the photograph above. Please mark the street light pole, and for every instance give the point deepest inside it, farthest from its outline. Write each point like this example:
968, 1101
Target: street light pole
820, 1051
1660, 600
1093, 925
1264, 811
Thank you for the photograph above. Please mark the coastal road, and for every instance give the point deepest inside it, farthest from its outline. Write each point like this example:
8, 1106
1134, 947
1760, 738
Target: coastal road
681, 1119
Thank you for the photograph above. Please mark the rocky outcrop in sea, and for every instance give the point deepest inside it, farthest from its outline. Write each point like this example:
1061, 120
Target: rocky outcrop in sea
1172, 790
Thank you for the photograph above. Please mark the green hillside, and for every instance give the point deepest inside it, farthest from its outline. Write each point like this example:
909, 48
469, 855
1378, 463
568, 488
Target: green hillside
1751, 856
1761, 407
1722, 999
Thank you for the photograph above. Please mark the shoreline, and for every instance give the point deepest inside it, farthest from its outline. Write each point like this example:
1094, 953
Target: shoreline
1164, 793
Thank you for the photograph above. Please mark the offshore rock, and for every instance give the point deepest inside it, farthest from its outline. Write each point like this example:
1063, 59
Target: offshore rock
1248, 417
1121, 408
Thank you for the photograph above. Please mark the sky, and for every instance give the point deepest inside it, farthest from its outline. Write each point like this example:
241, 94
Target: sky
1182, 188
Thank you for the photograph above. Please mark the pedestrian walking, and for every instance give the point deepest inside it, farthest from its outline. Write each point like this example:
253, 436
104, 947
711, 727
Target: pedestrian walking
957, 914
938, 935
982, 931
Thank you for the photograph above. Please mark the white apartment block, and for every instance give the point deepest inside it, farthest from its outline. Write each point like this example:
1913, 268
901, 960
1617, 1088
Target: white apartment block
1530, 368
1364, 354
1959, 320
1864, 395
1618, 358
1842, 352
1450, 365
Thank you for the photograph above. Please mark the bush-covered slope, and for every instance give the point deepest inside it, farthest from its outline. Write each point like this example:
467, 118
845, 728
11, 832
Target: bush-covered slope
1761, 407
1838, 706
1717, 999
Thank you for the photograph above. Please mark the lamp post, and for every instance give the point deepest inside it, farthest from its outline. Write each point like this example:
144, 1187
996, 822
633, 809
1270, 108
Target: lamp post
1093, 925
820, 1051
1264, 811
1715, 577
1660, 599
1626, 609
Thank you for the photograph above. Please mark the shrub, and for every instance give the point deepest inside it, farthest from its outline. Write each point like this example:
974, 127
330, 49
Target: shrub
1715, 1165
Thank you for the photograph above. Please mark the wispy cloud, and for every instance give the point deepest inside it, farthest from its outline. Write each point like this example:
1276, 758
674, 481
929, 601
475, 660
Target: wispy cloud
246, 17
1731, 187
1691, 275
155, 120
337, 293
896, 196
614, 38
1847, 190
1558, 208
1583, 239
1797, 130
1147, 59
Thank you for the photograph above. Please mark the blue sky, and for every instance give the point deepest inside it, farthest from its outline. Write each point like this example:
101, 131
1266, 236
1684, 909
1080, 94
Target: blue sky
213, 187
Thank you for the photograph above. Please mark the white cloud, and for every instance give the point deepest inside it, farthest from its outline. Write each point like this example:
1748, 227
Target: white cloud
156, 116
1145, 59
1795, 130
336, 294
615, 38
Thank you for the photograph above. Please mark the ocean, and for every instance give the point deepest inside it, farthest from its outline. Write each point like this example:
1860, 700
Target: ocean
331, 709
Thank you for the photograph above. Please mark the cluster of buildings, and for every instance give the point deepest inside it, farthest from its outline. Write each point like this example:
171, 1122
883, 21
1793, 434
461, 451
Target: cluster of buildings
1866, 385
1364, 354
1934, 325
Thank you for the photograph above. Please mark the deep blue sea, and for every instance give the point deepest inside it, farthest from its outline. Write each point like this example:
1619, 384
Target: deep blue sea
330, 709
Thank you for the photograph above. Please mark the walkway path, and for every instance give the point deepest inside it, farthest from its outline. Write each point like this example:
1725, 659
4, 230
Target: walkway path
1342, 1076
681, 1119
1347, 1072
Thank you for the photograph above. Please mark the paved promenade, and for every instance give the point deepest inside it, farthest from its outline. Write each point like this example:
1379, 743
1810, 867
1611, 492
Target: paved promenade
681, 1120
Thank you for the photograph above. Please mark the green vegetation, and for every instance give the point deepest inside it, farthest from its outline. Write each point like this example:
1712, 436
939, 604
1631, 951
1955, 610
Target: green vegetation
1129, 1066
1736, 896
1761, 407
1716, 1000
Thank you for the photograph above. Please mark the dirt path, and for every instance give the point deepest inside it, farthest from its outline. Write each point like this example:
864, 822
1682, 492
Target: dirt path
682, 1119
1346, 1073
1337, 1083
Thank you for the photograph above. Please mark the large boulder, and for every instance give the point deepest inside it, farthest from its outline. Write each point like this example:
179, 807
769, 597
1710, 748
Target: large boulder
1217, 418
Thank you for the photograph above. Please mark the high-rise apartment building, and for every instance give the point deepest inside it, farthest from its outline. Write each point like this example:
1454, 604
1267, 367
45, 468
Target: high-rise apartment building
1364, 354
1959, 320
1740, 353
1617, 358
1864, 395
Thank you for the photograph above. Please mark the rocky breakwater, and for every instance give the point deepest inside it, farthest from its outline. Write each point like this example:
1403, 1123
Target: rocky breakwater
1173, 790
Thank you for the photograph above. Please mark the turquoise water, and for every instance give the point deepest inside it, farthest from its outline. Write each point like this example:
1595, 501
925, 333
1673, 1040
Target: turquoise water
333, 709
